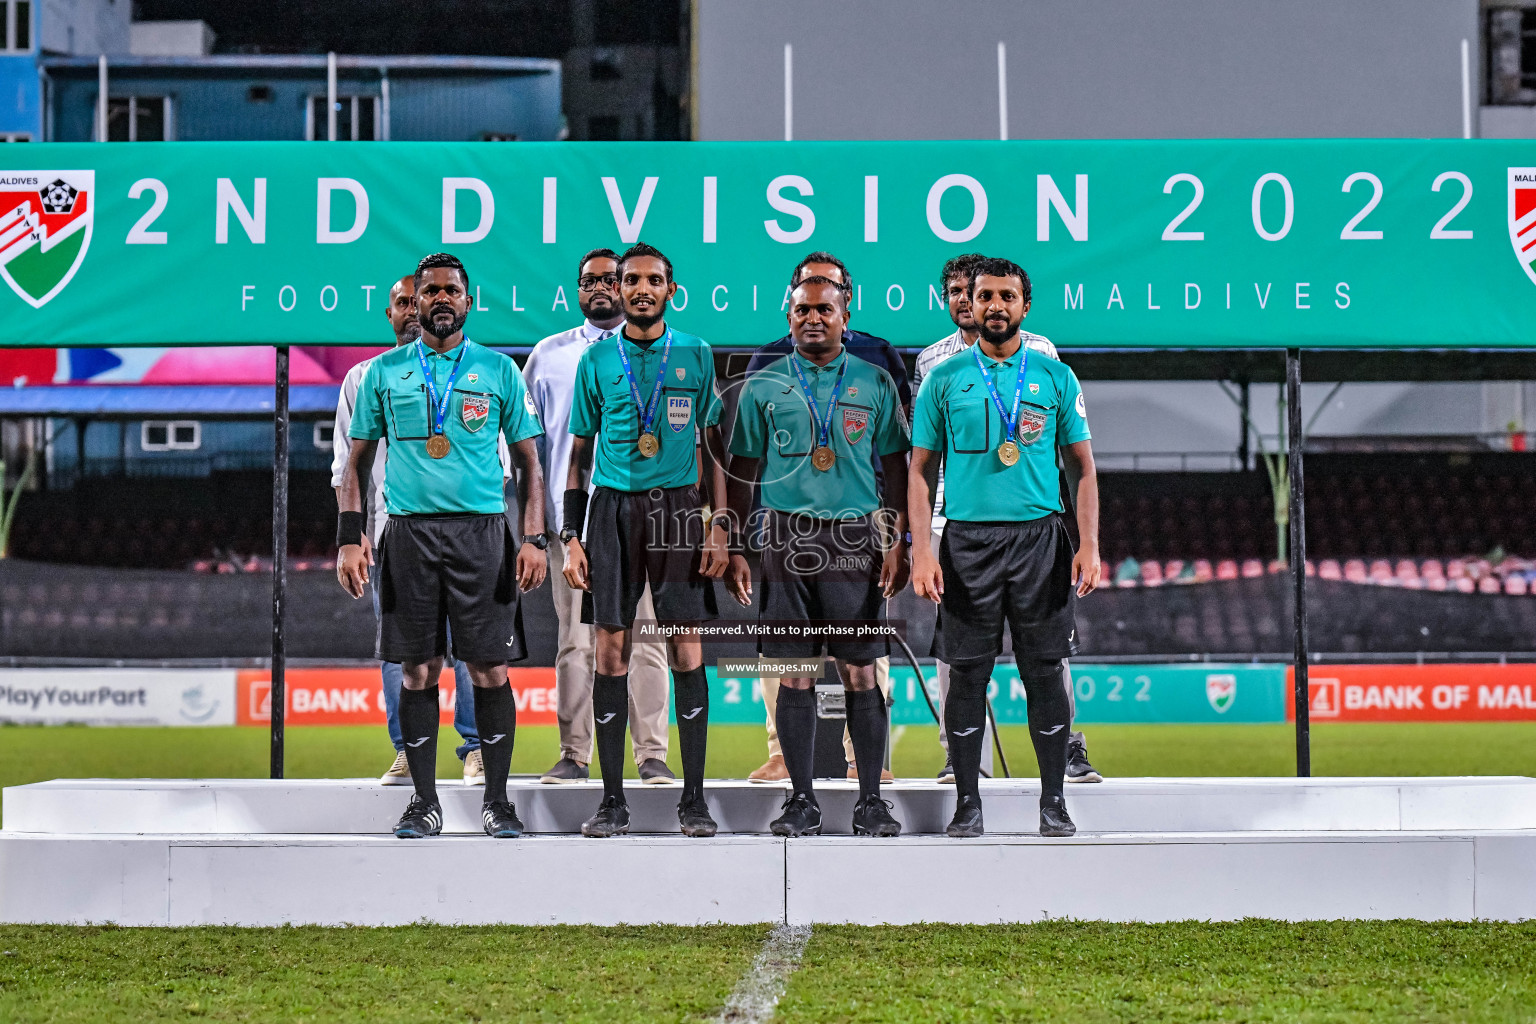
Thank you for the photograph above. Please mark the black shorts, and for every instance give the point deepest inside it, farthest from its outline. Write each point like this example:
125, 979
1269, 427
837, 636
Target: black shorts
449, 573
818, 571
1021, 572
635, 538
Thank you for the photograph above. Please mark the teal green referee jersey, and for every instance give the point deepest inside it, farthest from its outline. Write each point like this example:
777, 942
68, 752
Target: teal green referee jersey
956, 416
488, 399
774, 424
604, 407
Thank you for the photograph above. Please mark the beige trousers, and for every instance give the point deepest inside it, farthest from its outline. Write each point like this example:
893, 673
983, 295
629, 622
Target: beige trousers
649, 679
771, 702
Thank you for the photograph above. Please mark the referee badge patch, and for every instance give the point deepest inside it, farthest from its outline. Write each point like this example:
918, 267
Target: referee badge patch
854, 423
477, 409
1031, 424
679, 412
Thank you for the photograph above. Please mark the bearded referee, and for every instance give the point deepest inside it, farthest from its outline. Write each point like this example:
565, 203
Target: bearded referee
995, 415
447, 556
644, 399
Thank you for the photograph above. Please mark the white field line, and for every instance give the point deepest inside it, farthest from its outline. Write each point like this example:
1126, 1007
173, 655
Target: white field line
758, 991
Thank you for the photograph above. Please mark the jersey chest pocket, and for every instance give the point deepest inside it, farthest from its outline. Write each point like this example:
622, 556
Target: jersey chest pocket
791, 428
969, 425
621, 424
408, 413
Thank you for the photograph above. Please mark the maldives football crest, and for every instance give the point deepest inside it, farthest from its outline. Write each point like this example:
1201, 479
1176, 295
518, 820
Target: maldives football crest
45, 229
476, 410
855, 421
1522, 217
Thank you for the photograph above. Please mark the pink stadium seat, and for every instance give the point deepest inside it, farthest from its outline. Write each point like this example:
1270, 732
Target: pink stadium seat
1328, 569
1488, 585
1516, 586
1276, 567
1203, 572
1151, 574
1432, 569
1226, 569
1252, 569
1354, 571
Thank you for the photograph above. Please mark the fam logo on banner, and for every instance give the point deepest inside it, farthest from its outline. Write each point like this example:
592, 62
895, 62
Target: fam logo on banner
352, 696
1420, 693
1221, 691
45, 229
1522, 217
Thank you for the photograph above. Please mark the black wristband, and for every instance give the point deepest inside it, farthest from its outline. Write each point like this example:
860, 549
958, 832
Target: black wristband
575, 513
349, 528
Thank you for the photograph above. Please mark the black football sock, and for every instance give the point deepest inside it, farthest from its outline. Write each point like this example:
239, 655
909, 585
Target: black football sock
496, 721
866, 727
418, 728
690, 698
795, 718
965, 721
610, 717
1050, 721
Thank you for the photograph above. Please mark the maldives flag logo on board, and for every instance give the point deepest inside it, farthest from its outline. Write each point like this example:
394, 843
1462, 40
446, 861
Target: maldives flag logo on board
45, 229
1522, 217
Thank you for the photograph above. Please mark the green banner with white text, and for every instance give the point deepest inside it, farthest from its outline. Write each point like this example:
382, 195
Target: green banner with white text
1310, 243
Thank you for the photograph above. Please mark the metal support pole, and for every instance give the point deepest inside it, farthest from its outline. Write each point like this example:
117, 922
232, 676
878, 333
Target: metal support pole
383, 105
279, 557
101, 98
1298, 560
1244, 390
330, 97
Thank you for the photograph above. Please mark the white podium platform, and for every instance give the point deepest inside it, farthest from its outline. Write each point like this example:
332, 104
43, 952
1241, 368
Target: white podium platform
260, 852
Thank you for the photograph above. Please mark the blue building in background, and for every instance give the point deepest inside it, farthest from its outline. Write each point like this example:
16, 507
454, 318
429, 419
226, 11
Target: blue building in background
20, 108
164, 84
238, 97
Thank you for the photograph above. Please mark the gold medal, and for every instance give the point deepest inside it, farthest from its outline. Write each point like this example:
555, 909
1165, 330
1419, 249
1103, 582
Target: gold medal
649, 445
823, 458
437, 445
1008, 452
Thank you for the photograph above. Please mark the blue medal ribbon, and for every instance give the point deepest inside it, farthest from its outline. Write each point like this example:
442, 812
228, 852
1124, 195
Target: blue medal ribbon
645, 409
439, 406
1010, 421
823, 426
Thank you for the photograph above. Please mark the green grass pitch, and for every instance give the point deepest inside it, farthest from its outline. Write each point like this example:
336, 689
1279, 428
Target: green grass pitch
1057, 971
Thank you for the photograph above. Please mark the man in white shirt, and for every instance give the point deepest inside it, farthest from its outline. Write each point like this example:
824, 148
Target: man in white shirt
401, 312
955, 282
551, 377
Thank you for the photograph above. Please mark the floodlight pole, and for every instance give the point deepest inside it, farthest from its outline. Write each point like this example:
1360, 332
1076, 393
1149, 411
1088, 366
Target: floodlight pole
279, 557
1298, 559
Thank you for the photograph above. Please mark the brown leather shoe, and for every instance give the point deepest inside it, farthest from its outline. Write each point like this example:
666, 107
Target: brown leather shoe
885, 774
773, 771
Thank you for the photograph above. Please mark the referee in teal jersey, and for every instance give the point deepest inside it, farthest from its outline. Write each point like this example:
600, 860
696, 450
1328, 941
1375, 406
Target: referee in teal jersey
447, 562
645, 399
996, 413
